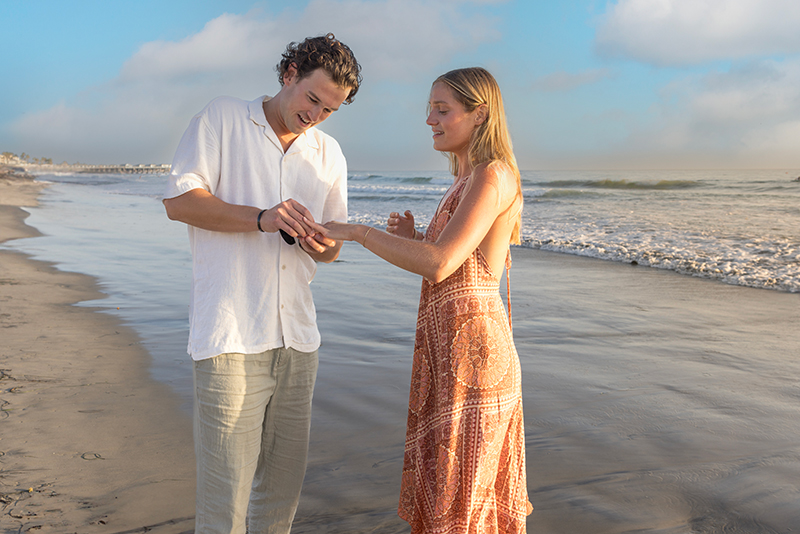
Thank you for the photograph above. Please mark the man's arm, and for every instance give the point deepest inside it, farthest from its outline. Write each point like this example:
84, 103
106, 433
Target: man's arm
201, 209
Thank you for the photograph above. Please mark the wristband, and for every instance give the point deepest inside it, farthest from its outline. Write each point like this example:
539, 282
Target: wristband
258, 221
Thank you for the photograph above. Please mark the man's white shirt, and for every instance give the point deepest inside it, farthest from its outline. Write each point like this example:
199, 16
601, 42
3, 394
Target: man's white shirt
250, 291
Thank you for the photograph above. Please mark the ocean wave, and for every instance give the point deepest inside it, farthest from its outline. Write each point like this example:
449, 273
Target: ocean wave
622, 184
560, 193
393, 190
83, 179
774, 266
397, 177
382, 198
357, 176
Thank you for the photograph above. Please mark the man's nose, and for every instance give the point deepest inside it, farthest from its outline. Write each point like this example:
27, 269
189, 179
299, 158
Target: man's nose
316, 113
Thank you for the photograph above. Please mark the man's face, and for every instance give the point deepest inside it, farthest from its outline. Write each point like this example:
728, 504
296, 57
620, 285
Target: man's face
309, 101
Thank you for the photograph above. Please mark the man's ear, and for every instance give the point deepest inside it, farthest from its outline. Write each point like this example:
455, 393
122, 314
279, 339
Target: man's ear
290, 74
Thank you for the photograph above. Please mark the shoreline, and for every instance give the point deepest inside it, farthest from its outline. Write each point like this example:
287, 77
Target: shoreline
91, 442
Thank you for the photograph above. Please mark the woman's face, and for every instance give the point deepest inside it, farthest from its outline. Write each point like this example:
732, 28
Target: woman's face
452, 125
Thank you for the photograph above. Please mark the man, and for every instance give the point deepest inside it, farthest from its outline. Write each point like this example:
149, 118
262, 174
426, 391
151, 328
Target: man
246, 178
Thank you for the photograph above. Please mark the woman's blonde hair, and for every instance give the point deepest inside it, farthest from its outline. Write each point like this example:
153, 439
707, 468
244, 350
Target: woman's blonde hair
490, 141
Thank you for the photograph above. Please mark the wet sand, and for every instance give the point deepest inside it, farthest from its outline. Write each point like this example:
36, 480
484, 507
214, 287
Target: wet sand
658, 402
89, 442
654, 402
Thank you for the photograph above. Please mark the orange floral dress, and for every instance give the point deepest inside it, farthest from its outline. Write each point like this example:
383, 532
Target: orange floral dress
464, 464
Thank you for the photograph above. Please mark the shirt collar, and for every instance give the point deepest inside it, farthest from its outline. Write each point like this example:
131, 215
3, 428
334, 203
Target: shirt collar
256, 114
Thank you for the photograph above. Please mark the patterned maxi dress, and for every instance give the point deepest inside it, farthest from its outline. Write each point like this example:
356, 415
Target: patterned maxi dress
464, 464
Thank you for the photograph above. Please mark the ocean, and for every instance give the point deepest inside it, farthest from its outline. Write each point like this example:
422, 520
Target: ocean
737, 227
740, 227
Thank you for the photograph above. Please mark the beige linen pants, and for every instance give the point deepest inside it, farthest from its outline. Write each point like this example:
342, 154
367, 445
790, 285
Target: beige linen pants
252, 416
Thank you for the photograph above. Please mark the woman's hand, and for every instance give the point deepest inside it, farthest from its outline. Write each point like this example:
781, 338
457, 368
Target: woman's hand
401, 225
339, 231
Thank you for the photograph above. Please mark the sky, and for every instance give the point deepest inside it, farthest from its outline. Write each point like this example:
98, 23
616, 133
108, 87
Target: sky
587, 84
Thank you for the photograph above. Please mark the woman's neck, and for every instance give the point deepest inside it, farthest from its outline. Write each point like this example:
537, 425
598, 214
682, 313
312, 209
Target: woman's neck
464, 168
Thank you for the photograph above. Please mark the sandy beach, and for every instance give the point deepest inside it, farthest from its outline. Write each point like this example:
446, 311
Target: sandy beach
654, 402
89, 442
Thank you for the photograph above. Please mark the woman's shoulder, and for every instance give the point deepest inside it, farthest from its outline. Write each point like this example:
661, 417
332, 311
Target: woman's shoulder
499, 174
495, 170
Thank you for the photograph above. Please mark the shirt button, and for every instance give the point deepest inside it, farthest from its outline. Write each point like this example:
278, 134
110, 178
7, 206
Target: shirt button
283, 267
281, 306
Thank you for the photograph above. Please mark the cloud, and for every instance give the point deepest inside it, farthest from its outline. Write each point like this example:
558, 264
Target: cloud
749, 116
139, 115
393, 39
688, 32
403, 40
226, 45
564, 81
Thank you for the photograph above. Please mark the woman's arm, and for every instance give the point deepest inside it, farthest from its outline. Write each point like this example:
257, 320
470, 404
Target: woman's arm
486, 198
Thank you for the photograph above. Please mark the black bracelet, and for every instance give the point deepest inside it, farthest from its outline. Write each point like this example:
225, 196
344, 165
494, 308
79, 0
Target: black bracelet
258, 221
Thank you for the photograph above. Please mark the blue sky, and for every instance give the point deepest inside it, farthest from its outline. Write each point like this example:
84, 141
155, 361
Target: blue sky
588, 84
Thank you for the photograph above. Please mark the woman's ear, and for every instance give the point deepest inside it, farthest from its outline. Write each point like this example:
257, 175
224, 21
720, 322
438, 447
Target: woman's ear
481, 115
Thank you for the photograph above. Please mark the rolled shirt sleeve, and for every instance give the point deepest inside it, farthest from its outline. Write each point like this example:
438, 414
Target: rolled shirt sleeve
196, 164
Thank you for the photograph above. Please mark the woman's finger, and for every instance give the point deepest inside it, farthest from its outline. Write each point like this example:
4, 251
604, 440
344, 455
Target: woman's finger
316, 227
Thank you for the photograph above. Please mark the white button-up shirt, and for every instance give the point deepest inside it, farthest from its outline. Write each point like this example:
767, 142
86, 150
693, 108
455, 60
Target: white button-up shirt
250, 291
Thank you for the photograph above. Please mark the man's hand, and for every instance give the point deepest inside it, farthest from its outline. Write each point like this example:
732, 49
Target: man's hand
320, 247
316, 243
201, 209
289, 216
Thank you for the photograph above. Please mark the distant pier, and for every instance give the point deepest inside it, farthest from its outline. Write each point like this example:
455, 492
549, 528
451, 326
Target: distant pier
151, 168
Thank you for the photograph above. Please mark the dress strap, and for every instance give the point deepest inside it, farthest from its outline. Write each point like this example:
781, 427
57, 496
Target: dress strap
508, 286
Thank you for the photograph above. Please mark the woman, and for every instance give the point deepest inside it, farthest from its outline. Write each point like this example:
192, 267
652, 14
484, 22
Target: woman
464, 466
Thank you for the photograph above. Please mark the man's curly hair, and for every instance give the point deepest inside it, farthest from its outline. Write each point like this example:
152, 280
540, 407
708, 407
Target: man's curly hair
327, 53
